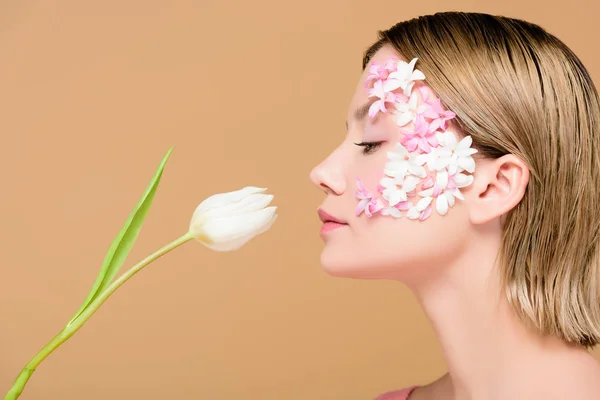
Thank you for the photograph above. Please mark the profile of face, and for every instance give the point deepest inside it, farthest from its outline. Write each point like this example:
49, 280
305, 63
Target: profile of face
400, 218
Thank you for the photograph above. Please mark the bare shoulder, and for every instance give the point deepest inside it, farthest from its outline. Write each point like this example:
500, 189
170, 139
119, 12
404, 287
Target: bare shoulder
440, 389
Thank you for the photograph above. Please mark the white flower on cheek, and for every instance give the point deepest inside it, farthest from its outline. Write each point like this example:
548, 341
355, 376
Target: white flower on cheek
403, 173
397, 190
402, 162
456, 155
396, 211
422, 210
446, 189
438, 158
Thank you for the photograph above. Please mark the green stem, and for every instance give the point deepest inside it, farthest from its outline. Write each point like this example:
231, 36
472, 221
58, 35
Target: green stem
19, 383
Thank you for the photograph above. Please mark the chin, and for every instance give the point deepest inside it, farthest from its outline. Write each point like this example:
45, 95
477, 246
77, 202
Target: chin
346, 266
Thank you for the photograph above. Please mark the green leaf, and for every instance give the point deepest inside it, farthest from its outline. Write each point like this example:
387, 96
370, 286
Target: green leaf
122, 244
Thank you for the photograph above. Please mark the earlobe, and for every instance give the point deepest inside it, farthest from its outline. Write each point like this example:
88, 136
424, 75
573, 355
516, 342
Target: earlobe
499, 185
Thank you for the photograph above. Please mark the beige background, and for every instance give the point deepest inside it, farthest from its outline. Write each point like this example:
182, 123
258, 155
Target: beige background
92, 94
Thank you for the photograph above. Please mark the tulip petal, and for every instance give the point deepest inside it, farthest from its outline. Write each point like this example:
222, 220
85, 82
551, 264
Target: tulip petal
239, 242
225, 231
218, 200
253, 202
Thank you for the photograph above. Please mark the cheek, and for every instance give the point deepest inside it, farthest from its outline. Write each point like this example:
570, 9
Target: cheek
401, 247
369, 168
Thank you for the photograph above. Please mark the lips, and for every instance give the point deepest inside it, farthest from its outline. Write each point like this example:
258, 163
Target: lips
325, 217
330, 222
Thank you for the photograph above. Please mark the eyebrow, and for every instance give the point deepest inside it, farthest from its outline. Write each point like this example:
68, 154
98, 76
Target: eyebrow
362, 111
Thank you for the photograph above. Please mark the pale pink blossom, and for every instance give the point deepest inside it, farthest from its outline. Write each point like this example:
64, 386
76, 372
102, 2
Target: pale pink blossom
367, 202
383, 96
441, 115
376, 72
421, 137
408, 109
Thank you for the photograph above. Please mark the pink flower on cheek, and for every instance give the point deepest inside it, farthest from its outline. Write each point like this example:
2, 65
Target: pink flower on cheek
426, 94
376, 72
367, 202
384, 97
391, 64
420, 137
440, 115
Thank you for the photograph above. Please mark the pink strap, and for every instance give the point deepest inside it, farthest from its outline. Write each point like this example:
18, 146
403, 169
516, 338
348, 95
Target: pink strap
401, 394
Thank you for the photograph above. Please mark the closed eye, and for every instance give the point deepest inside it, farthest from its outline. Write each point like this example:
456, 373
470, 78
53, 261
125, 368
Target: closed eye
369, 147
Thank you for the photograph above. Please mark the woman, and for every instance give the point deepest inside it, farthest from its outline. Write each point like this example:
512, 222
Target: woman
470, 173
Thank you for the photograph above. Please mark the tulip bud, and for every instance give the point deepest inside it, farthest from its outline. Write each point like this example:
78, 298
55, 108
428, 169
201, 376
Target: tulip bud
226, 221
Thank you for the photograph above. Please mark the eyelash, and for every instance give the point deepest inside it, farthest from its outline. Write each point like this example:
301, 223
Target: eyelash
369, 147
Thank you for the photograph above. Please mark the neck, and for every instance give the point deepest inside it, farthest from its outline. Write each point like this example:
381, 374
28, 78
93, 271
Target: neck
489, 352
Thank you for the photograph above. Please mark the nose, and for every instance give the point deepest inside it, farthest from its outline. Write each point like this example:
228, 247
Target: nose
329, 177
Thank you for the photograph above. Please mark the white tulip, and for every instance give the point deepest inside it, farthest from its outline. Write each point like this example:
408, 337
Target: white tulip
227, 221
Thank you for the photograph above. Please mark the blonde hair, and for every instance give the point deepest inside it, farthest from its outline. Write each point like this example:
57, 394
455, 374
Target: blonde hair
516, 89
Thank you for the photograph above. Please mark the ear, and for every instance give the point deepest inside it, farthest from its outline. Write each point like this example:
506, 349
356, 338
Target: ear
498, 186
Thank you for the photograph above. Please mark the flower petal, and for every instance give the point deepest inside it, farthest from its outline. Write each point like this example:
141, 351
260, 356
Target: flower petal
417, 170
423, 203
387, 182
421, 159
394, 212
410, 183
463, 180
391, 84
441, 179
467, 164
426, 193
404, 118
448, 139
396, 197
221, 199
375, 108
251, 203
225, 233
457, 193
413, 213
465, 143
441, 205
450, 196
426, 213
417, 75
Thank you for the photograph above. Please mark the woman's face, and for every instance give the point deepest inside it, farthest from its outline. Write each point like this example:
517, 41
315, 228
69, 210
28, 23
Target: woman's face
380, 246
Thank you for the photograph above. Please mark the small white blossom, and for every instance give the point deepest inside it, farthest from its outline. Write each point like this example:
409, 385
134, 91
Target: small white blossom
404, 77
461, 152
401, 163
416, 212
396, 189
